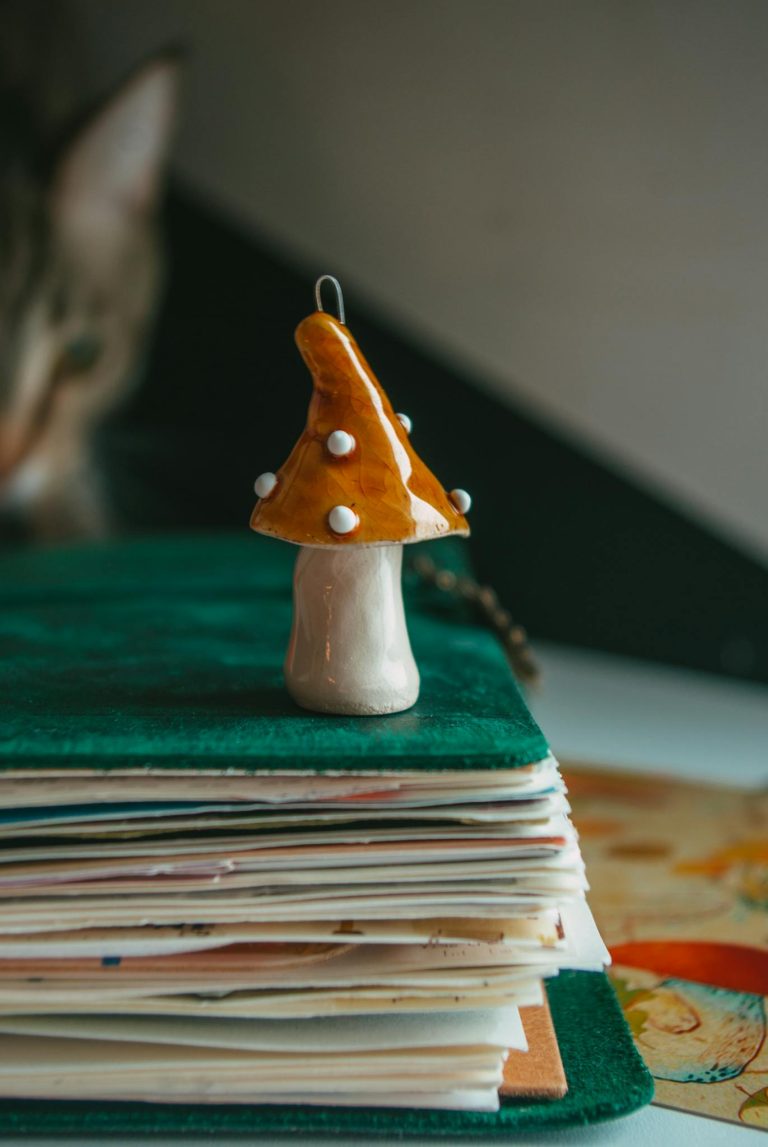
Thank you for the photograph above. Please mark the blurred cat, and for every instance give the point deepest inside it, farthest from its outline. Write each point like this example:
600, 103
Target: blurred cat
80, 270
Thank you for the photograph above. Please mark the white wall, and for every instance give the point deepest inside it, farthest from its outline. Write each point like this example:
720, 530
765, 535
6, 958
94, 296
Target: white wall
568, 195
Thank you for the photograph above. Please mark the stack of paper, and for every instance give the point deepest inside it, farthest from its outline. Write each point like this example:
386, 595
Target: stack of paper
286, 937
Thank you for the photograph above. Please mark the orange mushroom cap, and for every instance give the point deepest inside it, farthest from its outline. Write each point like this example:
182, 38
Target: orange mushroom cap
396, 498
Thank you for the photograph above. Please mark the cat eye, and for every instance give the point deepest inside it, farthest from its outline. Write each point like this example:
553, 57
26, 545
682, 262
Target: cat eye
81, 353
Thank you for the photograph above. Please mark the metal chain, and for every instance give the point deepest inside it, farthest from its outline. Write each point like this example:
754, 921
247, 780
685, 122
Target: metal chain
484, 599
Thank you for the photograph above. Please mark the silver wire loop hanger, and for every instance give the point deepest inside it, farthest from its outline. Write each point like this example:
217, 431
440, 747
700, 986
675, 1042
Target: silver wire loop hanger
339, 296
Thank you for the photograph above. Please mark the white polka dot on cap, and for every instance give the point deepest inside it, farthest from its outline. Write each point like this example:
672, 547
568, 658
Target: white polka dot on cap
461, 501
343, 520
340, 443
265, 484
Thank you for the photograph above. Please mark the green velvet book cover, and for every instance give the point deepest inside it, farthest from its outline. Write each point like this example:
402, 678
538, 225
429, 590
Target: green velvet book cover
167, 654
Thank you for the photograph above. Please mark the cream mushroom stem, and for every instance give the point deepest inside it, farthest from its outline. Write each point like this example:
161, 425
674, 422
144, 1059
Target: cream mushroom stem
349, 650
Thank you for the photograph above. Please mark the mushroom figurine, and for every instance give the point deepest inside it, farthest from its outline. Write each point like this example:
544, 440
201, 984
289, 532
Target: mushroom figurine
352, 493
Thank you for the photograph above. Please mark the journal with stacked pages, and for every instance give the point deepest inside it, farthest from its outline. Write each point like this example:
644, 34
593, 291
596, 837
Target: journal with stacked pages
218, 911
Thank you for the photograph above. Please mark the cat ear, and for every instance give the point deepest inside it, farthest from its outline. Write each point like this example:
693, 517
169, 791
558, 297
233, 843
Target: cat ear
115, 164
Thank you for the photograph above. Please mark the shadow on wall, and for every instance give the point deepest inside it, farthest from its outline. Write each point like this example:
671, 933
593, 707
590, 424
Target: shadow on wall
577, 552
